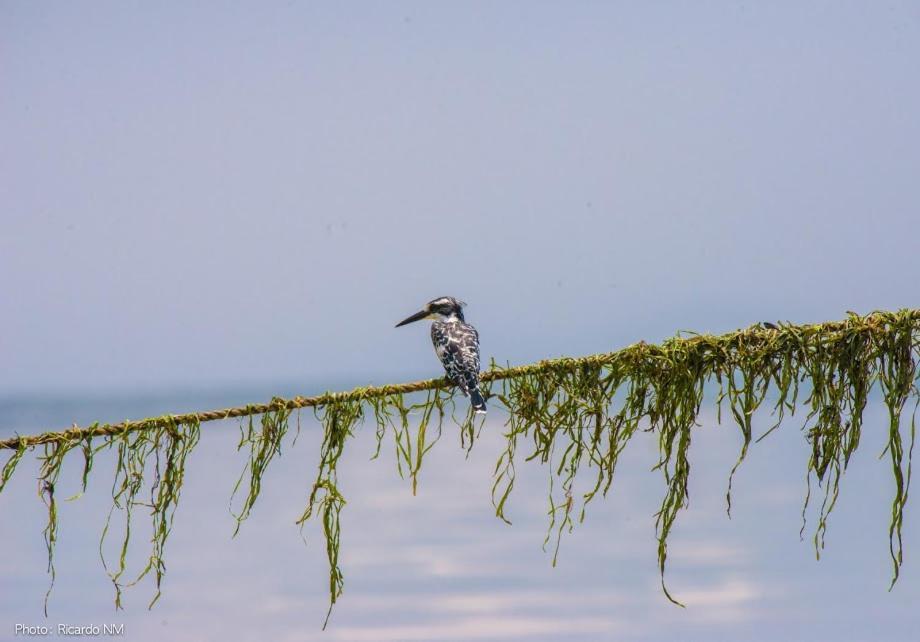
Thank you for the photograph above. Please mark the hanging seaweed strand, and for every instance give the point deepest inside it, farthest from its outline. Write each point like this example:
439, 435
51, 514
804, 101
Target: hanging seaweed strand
575, 416
159, 455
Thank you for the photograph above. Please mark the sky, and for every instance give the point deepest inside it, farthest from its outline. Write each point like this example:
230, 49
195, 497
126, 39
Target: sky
219, 202
199, 195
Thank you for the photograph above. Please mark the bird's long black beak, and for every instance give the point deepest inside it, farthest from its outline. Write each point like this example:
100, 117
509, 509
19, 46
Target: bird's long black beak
415, 317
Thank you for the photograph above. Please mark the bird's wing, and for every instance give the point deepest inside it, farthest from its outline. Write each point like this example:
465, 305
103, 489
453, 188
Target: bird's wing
457, 346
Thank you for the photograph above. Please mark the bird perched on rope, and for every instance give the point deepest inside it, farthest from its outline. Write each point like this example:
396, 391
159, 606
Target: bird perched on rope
456, 343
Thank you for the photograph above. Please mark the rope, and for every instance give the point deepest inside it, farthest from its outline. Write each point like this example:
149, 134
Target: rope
874, 321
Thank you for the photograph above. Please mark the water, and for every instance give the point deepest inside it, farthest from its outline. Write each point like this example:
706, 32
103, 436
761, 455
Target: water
441, 566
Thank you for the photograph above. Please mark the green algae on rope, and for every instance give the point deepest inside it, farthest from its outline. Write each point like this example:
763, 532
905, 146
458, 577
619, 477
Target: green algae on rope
572, 414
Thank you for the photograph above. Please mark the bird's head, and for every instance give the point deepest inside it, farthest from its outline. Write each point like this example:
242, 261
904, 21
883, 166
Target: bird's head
445, 308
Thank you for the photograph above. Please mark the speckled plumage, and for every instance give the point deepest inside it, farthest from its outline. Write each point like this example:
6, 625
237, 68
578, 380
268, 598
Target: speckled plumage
456, 343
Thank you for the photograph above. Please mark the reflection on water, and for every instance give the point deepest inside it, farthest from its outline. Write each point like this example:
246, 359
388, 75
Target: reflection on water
440, 566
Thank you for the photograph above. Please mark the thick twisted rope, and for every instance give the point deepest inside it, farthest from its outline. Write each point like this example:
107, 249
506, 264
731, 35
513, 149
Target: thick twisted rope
756, 333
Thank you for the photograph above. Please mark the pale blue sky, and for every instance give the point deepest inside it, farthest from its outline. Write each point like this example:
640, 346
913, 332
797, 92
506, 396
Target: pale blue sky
214, 202
224, 193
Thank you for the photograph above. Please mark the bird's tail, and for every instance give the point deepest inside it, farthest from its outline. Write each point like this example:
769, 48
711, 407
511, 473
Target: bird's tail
476, 400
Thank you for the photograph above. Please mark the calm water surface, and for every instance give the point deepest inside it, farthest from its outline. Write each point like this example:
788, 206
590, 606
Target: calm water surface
440, 566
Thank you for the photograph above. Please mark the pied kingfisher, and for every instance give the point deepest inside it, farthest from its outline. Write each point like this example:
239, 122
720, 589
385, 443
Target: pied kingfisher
456, 344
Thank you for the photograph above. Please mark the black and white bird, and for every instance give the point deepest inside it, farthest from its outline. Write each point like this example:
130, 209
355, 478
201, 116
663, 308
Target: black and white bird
456, 343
